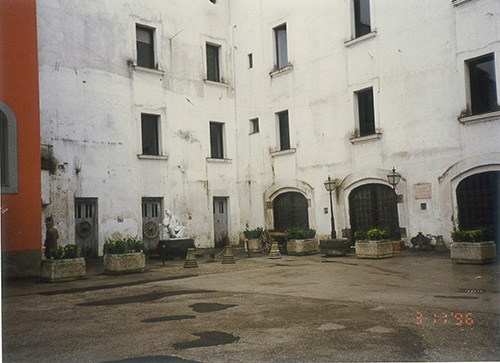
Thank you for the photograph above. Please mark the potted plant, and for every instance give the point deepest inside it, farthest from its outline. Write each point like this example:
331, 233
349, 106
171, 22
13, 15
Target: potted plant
301, 241
373, 244
252, 236
65, 264
473, 246
124, 255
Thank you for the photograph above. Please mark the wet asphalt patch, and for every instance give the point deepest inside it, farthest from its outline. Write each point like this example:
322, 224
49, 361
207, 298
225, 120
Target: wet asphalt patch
154, 359
113, 286
142, 298
208, 339
209, 307
456, 297
168, 318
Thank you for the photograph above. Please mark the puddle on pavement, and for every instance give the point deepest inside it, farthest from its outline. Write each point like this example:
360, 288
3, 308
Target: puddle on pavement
209, 307
168, 318
208, 339
142, 298
154, 359
113, 286
456, 297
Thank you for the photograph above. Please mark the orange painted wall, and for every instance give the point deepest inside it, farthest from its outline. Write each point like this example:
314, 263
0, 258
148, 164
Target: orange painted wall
21, 224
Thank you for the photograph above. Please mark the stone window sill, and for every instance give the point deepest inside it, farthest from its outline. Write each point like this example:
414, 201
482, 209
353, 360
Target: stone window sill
148, 70
219, 161
490, 116
152, 157
460, 2
278, 72
362, 139
214, 83
354, 41
283, 152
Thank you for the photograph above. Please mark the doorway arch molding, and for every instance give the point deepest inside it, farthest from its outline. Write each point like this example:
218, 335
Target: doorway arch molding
454, 174
364, 177
285, 186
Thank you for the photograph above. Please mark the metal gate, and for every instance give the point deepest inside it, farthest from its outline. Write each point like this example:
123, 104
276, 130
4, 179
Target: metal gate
374, 206
220, 222
152, 216
86, 226
290, 210
478, 200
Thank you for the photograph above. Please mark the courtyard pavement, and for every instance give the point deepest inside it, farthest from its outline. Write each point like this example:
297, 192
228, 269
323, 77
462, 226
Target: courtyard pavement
413, 307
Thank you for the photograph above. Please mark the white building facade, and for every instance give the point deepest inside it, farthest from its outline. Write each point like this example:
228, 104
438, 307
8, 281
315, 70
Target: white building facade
233, 114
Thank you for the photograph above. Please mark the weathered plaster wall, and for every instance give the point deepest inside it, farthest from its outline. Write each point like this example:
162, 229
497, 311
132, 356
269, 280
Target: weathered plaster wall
415, 64
91, 107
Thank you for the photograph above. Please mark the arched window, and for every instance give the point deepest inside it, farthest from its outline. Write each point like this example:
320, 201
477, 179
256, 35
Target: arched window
290, 210
478, 200
8, 149
374, 206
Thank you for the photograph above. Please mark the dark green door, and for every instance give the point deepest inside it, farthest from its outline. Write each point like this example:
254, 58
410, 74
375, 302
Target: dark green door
290, 210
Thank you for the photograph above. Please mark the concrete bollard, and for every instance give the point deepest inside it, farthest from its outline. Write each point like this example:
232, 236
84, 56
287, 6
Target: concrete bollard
228, 256
190, 261
275, 251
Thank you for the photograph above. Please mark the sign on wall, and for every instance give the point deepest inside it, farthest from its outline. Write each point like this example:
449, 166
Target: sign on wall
422, 191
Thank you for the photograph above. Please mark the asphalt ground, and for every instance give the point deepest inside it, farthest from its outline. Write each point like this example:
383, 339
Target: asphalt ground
412, 307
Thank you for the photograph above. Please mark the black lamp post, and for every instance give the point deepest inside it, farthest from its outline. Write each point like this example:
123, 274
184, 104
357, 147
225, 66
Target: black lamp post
393, 178
330, 187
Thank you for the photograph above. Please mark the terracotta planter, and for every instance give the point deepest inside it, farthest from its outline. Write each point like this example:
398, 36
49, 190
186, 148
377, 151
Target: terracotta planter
300, 247
124, 263
62, 270
254, 245
397, 246
374, 249
473, 252
335, 247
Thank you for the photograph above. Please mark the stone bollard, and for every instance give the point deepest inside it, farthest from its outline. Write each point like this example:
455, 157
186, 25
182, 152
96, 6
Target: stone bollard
275, 251
190, 261
228, 256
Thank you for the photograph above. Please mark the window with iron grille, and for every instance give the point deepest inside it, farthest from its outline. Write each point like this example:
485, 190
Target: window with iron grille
150, 135
216, 140
284, 130
145, 47
281, 46
366, 113
483, 85
362, 24
213, 67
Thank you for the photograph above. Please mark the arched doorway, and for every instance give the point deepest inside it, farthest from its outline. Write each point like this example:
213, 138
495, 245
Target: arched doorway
478, 201
374, 206
290, 210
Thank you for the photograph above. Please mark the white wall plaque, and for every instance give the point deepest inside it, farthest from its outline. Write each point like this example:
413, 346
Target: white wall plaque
422, 191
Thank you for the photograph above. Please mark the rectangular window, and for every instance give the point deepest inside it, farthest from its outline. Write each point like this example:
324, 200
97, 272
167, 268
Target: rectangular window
216, 140
213, 70
150, 136
254, 126
284, 130
281, 46
250, 60
145, 47
4, 139
366, 113
483, 85
362, 25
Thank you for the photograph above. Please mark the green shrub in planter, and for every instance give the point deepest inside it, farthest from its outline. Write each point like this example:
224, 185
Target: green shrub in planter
360, 235
123, 245
374, 234
481, 234
295, 233
65, 252
253, 233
